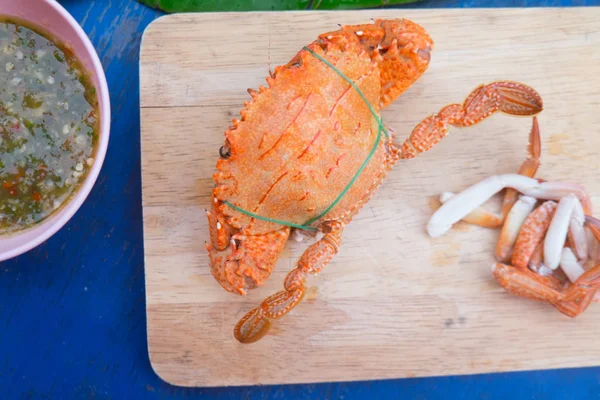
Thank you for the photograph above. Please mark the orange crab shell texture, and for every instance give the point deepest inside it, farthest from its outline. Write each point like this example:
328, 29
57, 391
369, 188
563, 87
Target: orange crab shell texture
301, 140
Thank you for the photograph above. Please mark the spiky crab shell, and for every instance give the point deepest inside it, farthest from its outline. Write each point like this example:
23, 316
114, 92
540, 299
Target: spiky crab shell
301, 140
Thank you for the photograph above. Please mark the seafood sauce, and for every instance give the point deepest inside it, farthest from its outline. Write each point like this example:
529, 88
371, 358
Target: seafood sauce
49, 124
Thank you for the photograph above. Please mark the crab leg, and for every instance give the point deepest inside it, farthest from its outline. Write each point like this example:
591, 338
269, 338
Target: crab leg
582, 292
525, 283
511, 98
532, 234
593, 247
575, 307
513, 223
535, 262
256, 323
593, 226
528, 168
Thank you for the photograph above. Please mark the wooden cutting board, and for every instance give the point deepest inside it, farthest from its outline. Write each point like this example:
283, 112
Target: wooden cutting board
394, 302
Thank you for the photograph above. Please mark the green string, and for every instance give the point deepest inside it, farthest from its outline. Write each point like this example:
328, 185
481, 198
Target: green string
310, 228
352, 181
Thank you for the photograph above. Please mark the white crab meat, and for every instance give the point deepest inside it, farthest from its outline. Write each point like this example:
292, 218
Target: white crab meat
568, 209
460, 205
514, 221
577, 233
479, 216
570, 265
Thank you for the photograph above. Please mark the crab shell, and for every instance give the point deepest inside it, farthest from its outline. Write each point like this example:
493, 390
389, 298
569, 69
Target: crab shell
300, 141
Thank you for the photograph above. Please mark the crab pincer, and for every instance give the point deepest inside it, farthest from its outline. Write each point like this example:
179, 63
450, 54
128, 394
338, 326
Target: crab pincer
511, 98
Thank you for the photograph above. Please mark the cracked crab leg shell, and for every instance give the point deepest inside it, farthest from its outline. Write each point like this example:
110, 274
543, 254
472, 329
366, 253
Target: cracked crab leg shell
460, 205
570, 265
479, 216
575, 307
512, 225
252, 327
588, 282
535, 262
593, 232
592, 246
532, 234
525, 283
557, 231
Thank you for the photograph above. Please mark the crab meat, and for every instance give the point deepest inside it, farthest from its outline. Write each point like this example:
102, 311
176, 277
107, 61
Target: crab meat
568, 213
512, 225
570, 265
479, 216
460, 205
560, 232
577, 234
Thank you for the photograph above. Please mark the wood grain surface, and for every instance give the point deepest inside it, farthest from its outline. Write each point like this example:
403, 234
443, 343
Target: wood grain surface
394, 302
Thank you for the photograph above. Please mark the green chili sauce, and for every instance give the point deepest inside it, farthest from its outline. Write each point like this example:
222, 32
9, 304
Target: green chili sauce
49, 124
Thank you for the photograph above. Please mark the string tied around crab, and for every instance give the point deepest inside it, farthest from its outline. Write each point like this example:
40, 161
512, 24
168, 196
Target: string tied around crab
308, 224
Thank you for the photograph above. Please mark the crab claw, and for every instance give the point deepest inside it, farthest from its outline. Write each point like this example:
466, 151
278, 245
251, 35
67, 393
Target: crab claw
512, 98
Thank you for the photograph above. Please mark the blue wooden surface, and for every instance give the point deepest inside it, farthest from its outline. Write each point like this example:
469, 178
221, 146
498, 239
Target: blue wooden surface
72, 321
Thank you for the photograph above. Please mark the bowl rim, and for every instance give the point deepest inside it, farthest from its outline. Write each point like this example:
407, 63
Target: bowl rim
53, 223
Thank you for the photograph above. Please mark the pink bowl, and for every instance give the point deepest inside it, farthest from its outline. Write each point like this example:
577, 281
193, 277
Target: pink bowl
52, 17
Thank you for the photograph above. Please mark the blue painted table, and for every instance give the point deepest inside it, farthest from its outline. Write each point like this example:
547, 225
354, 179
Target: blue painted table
72, 311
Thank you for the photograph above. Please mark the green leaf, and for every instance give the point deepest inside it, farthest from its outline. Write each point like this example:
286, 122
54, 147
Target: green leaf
174, 6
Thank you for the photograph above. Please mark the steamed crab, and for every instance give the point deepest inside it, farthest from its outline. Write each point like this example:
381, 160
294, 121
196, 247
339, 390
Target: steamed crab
548, 244
309, 151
